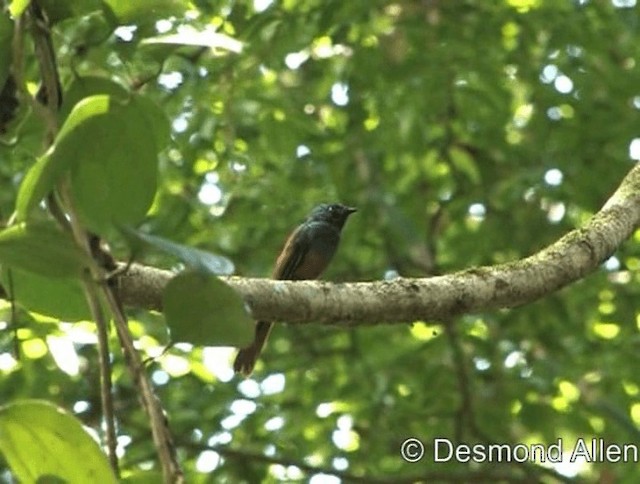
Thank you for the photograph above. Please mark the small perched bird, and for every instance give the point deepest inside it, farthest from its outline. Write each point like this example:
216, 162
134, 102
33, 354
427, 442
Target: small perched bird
306, 254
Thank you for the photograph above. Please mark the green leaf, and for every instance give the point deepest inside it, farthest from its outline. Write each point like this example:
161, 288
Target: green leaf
114, 179
82, 87
37, 183
6, 36
41, 248
195, 258
213, 40
105, 144
156, 120
465, 163
42, 177
201, 309
61, 298
41, 441
18, 6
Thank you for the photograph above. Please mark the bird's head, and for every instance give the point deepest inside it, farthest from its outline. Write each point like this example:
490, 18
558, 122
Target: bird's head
334, 213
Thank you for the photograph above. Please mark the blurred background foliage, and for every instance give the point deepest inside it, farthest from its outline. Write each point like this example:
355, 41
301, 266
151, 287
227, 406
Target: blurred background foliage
467, 132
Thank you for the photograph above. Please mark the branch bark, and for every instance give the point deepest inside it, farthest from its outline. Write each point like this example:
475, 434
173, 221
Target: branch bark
441, 298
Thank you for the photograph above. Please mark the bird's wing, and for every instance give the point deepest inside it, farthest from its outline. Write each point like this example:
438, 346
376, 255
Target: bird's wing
295, 249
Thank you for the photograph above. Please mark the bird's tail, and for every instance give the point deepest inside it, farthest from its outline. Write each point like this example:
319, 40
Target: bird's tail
247, 357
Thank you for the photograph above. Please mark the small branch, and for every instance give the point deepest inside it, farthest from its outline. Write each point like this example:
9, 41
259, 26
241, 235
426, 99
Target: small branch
171, 471
440, 298
48, 70
106, 385
465, 415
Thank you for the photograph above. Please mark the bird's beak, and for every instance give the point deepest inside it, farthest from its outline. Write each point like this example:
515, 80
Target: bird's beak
350, 210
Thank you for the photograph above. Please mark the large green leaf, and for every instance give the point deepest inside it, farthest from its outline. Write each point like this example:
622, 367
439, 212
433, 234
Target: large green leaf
41, 248
38, 181
82, 87
43, 443
43, 176
156, 121
106, 146
61, 298
114, 178
195, 258
201, 309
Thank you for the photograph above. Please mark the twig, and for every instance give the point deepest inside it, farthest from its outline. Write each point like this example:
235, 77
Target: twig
17, 68
162, 439
465, 413
106, 387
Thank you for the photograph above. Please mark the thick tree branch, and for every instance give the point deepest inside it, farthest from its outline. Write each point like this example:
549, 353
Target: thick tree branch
575, 255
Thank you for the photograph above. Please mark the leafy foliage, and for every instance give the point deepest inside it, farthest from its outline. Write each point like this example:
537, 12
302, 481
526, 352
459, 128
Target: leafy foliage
466, 133
59, 449
206, 295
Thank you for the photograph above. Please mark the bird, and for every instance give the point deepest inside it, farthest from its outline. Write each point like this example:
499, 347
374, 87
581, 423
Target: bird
306, 254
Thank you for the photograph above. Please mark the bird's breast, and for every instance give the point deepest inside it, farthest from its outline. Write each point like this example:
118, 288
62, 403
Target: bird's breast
323, 241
